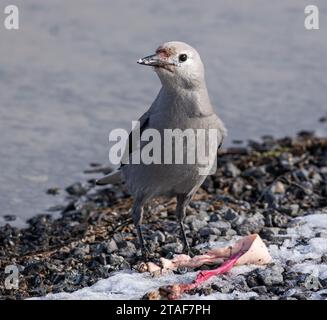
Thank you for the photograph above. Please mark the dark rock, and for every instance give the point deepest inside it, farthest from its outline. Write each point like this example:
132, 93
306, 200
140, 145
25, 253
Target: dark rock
172, 247
110, 246
82, 250
237, 186
197, 224
222, 226
128, 250
241, 284
272, 275
269, 234
206, 231
308, 281
115, 260
76, 189
9, 217
53, 191
58, 278
279, 220
226, 287
231, 215
251, 225
259, 289
271, 199
321, 234
102, 259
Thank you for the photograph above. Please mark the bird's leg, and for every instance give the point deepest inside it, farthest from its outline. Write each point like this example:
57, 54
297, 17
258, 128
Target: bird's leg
137, 215
186, 248
182, 202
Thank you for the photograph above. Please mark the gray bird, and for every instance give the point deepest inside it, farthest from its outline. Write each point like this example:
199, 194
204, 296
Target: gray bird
182, 103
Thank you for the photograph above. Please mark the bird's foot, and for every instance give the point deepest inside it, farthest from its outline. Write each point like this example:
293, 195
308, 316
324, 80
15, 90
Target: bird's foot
187, 250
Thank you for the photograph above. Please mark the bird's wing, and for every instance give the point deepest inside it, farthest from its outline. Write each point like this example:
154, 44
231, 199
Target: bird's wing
144, 121
115, 176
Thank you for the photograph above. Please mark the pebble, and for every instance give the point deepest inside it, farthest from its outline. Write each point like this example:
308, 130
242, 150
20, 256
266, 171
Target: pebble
76, 189
278, 187
9, 217
272, 275
128, 250
231, 170
231, 215
309, 282
115, 259
196, 224
206, 231
158, 236
172, 247
251, 225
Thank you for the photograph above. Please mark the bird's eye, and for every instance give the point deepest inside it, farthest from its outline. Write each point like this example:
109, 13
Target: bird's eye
182, 57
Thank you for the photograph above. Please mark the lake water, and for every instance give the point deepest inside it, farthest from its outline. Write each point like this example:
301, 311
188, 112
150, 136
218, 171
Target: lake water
69, 75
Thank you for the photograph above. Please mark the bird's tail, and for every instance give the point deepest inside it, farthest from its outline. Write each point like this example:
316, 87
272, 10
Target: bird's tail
112, 178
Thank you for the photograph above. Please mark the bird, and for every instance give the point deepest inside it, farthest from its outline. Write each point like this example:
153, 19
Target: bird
182, 103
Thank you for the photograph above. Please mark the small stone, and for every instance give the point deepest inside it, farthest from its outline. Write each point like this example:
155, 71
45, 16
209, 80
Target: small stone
111, 246
128, 250
230, 233
301, 174
308, 281
241, 284
76, 189
251, 225
252, 279
259, 289
321, 234
172, 247
294, 209
279, 220
226, 287
271, 199
271, 275
323, 119
222, 226
269, 233
206, 231
231, 170
323, 282
115, 260
278, 187
197, 224
158, 236
237, 186
118, 238
102, 259
256, 172
200, 205
53, 191
231, 215
9, 217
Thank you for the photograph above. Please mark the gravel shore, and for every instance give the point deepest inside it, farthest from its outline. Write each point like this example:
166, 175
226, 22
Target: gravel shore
269, 187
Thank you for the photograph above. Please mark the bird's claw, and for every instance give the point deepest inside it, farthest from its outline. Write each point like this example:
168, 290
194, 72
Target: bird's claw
187, 250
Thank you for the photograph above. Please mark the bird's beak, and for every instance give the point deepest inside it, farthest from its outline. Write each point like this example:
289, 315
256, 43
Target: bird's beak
155, 61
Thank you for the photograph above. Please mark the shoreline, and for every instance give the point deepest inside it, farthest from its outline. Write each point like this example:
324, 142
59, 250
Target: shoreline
266, 187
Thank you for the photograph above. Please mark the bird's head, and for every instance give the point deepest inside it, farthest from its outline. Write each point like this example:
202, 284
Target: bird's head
177, 64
